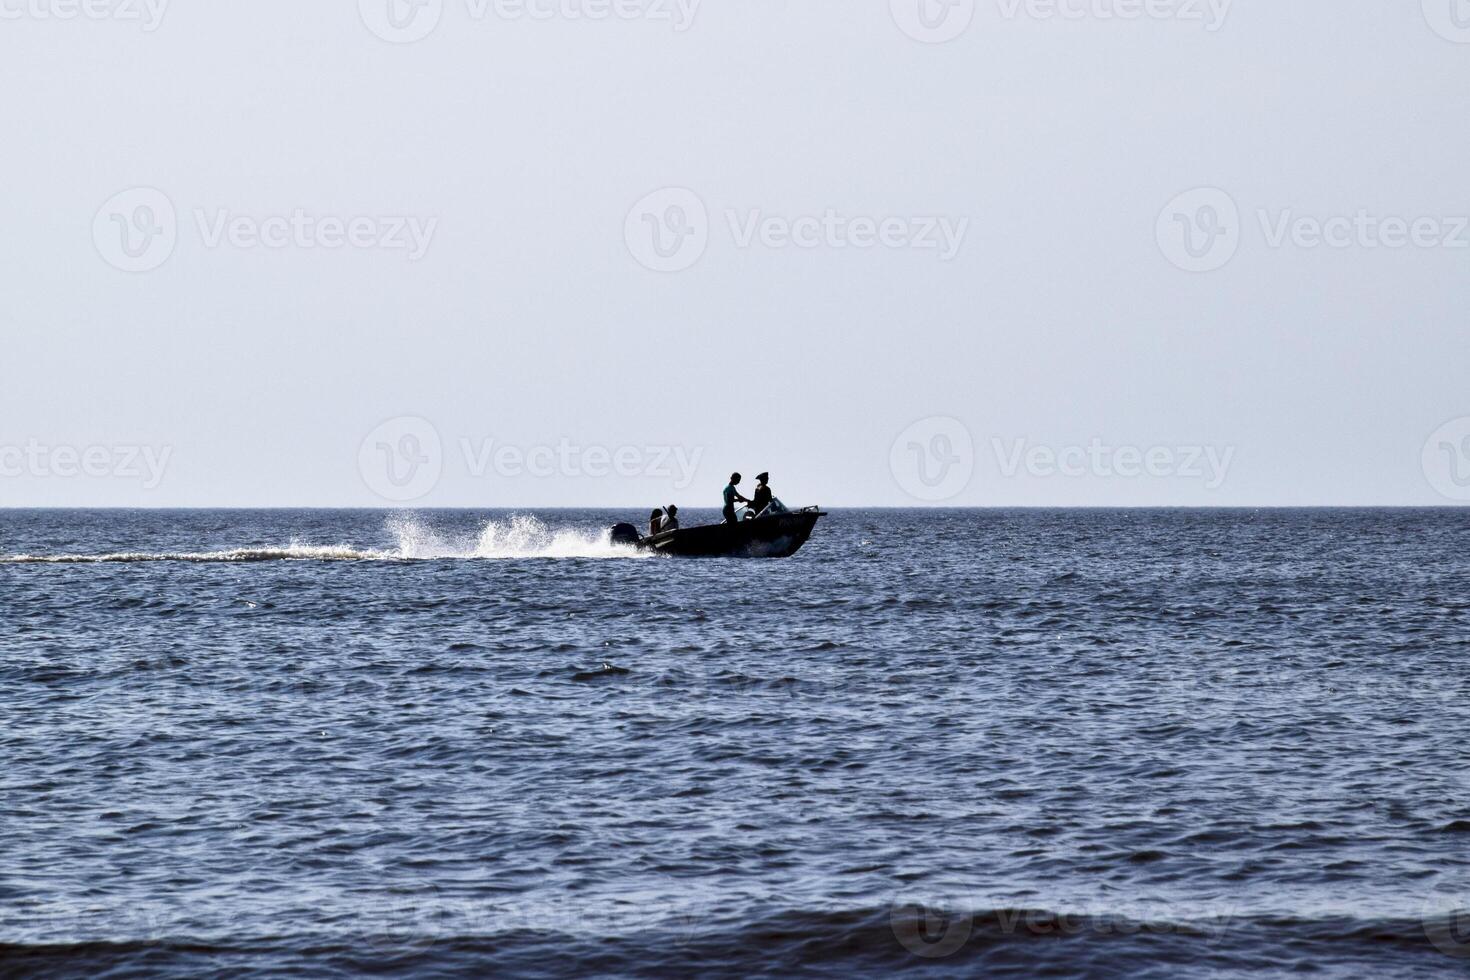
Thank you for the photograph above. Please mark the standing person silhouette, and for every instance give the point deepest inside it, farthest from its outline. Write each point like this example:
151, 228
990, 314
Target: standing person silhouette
732, 495
761, 499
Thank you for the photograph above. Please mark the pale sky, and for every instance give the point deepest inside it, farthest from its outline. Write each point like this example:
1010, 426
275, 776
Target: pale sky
814, 238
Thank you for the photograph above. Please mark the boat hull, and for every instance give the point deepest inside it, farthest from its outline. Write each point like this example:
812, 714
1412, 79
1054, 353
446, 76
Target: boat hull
779, 536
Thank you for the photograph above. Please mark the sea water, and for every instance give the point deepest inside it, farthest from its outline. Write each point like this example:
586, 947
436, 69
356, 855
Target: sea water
1099, 743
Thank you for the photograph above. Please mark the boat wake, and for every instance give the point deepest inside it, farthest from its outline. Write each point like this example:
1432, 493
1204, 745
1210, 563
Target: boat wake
518, 537
515, 538
293, 552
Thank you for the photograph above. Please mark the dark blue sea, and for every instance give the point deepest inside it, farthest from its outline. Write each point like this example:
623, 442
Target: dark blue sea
957, 743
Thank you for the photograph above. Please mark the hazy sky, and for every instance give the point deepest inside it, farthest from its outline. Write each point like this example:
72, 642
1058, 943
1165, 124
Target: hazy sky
503, 253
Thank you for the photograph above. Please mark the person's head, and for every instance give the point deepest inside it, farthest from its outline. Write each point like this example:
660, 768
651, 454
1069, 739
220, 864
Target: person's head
656, 512
673, 510
763, 478
734, 479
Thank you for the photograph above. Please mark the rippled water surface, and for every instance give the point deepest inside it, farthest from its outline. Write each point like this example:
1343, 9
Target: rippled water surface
1103, 743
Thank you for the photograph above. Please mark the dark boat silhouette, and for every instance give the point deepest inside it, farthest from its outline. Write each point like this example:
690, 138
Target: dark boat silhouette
775, 534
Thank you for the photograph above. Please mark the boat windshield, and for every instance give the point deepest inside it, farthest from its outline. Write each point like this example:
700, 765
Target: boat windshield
772, 509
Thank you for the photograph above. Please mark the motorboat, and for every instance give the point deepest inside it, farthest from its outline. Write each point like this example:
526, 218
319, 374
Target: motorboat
775, 532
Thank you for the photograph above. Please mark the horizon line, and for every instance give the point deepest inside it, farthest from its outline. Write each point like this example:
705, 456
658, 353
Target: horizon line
615, 507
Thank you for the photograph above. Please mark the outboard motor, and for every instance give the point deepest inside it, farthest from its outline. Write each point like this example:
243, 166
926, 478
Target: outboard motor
625, 534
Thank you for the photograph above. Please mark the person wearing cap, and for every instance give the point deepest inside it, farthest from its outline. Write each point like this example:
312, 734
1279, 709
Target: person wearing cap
762, 498
671, 521
732, 495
